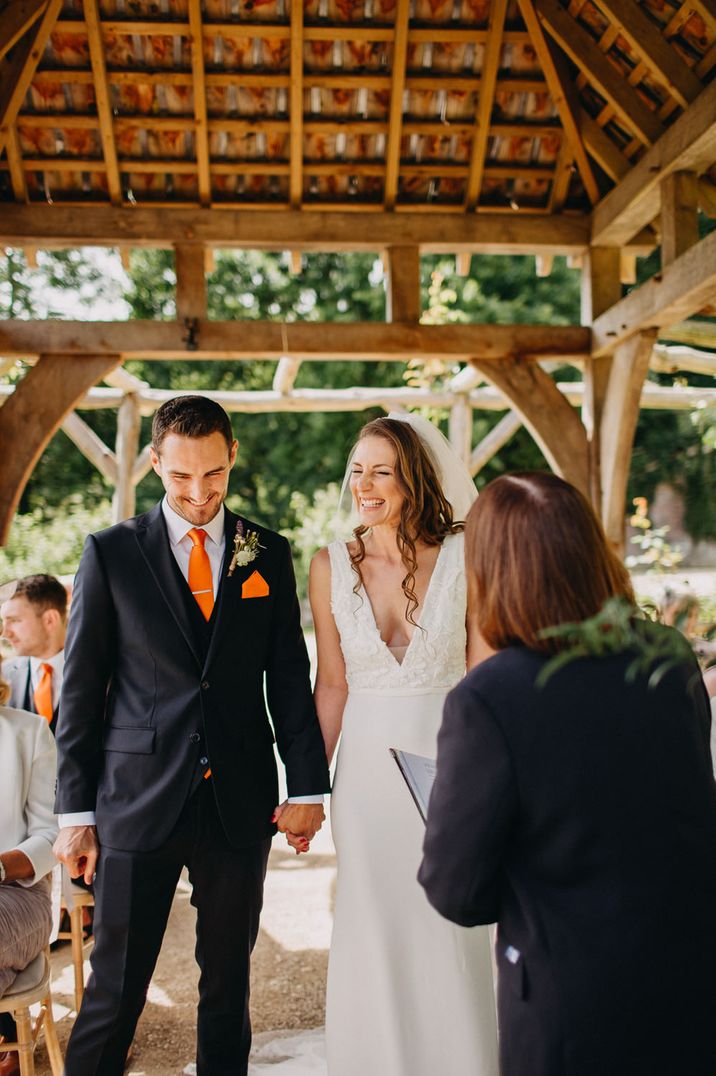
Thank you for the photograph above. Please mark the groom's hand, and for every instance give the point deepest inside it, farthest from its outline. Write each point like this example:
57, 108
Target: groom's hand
78, 848
300, 819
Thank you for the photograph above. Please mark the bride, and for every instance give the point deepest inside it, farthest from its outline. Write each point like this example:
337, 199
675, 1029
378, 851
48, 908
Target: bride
408, 993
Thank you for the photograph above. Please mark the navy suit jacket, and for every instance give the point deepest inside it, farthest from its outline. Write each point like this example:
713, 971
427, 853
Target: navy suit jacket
146, 700
581, 817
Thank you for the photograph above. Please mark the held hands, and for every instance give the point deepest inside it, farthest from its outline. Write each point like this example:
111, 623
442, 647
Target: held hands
78, 848
300, 822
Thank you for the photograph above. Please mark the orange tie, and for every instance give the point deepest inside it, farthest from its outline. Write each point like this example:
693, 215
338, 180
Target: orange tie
43, 692
201, 583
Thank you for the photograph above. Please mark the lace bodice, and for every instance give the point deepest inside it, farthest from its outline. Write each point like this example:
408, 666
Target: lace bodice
435, 658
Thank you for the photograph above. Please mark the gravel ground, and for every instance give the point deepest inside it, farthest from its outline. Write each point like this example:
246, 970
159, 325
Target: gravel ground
289, 965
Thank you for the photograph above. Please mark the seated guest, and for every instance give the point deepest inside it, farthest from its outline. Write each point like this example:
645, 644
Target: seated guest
578, 812
27, 830
34, 622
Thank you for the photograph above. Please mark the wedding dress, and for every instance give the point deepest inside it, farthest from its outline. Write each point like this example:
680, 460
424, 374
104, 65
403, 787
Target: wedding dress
409, 994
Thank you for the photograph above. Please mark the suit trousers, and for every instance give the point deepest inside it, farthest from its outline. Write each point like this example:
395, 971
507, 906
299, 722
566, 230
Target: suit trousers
133, 897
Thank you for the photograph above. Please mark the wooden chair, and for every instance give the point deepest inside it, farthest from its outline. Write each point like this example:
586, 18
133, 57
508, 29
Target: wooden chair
73, 900
30, 987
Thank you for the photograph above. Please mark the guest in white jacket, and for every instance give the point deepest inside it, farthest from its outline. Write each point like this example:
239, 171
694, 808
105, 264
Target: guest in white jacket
28, 828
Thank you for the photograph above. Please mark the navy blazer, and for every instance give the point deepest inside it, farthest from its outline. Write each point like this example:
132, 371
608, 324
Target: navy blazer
148, 702
581, 817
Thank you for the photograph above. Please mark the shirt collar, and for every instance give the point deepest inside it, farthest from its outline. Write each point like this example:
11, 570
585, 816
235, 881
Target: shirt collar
57, 662
179, 527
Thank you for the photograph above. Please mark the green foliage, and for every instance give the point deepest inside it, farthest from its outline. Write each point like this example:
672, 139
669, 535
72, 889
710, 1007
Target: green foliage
51, 541
313, 529
655, 554
618, 628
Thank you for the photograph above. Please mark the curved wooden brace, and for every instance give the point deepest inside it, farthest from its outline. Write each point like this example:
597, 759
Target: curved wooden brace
550, 418
34, 412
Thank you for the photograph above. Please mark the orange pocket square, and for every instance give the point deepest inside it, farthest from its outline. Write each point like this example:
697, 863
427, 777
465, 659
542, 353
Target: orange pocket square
255, 586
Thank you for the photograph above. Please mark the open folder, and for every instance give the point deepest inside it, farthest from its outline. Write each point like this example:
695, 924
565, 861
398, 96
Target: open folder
419, 774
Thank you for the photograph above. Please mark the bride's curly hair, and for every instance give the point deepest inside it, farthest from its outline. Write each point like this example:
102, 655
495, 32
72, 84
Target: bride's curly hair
426, 515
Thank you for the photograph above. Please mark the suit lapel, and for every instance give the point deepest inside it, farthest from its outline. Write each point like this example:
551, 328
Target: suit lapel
153, 541
228, 598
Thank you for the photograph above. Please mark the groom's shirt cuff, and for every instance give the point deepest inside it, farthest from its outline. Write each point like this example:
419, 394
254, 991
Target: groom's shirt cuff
79, 818
306, 799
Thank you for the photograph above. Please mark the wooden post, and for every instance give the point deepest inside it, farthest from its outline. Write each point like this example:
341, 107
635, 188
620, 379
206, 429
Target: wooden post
403, 284
679, 215
91, 446
129, 420
601, 288
28, 419
191, 297
619, 420
460, 427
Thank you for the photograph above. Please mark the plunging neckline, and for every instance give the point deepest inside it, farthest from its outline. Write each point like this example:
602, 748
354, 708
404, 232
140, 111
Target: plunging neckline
426, 601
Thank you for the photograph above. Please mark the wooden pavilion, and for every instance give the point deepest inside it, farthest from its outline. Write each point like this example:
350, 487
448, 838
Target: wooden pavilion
584, 128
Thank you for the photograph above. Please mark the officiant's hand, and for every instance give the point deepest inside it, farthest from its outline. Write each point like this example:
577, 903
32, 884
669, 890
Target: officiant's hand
299, 819
78, 848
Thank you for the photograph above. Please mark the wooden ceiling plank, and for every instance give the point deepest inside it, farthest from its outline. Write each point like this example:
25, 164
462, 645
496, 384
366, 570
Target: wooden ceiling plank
103, 99
607, 155
17, 170
296, 105
648, 43
395, 116
485, 102
199, 93
17, 70
586, 54
562, 95
562, 178
688, 145
17, 18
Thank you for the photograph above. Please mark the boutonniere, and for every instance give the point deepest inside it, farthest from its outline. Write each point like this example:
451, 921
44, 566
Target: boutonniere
246, 548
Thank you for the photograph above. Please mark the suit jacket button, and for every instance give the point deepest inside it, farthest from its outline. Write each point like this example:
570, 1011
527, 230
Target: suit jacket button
195, 737
204, 685
203, 760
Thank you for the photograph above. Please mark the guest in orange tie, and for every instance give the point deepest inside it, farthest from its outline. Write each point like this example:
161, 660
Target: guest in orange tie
34, 622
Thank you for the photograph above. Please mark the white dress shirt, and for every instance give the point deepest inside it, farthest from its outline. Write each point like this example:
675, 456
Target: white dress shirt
181, 545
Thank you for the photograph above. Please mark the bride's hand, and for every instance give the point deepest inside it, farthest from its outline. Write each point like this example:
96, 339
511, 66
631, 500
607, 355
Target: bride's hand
299, 844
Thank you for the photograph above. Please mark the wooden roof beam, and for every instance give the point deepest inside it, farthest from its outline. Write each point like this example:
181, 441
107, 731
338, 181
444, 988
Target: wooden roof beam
563, 96
17, 70
321, 341
687, 146
679, 291
199, 91
103, 99
600, 72
395, 115
17, 18
649, 43
485, 101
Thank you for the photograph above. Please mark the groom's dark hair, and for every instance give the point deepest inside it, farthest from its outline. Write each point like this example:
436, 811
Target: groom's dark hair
190, 416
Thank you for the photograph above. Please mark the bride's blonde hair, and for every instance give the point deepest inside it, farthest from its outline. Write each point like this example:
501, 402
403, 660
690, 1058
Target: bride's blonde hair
426, 515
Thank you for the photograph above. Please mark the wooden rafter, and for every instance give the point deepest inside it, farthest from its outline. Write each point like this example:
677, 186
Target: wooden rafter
17, 18
562, 97
587, 55
485, 101
13, 151
103, 99
688, 145
370, 341
199, 93
17, 70
648, 43
607, 155
296, 104
395, 120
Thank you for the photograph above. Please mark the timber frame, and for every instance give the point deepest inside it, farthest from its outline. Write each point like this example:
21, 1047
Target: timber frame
581, 128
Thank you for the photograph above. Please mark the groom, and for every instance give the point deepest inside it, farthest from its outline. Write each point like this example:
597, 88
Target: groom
165, 748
